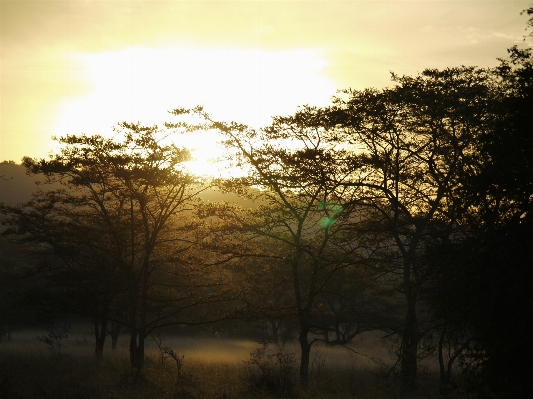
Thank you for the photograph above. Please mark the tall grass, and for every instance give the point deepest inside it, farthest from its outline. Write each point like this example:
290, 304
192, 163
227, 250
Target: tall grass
212, 369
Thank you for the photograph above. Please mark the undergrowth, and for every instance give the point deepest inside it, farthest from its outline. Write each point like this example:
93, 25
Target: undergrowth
32, 372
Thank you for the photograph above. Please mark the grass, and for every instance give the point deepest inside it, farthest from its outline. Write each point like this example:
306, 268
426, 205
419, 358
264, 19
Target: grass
212, 369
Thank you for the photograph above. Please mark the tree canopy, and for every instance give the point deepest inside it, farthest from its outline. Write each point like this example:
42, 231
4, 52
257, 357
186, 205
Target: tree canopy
406, 209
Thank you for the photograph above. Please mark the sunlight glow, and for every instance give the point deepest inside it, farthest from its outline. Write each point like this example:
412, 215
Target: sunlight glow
206, 152
140, 84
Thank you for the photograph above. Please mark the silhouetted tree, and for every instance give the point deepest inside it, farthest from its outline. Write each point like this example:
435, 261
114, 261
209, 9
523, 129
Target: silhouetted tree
302, 211
120, 226
81, 277
481, 282
412, 144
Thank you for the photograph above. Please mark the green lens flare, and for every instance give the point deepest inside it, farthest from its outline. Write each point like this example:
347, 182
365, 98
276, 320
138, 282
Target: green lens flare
330, 209
326, 222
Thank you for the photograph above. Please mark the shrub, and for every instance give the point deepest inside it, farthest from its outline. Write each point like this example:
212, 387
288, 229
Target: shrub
276, 371
54, 340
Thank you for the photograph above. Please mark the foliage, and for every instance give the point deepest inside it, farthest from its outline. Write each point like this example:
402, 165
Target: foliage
528, 11
413, 199
412, 145
119, 225
480, 284
305, 227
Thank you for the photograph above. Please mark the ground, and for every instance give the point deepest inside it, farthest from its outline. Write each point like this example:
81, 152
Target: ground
217, 368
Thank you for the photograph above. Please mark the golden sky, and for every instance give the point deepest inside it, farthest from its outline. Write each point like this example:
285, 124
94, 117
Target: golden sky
84, 65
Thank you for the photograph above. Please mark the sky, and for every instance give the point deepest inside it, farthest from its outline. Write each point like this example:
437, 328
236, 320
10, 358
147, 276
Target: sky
70, 67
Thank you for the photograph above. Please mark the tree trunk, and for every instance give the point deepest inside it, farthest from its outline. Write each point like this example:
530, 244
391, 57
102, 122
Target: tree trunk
442, 371
137, 351
138, 330
100, 332
409, 348
115, 332
305, 347
446, 373
275, 336
136, 343
449, 371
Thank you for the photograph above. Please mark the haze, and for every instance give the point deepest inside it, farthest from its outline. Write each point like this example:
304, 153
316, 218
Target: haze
82, 66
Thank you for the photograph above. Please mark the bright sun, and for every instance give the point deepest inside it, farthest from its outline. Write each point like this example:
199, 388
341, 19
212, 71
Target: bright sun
141, 85
205, 152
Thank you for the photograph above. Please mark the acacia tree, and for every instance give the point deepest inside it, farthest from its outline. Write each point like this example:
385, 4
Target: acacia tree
80, 276
487, 274
413, 144
301, 208
131, 191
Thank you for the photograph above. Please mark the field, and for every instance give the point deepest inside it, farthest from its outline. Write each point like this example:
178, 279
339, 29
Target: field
210, 368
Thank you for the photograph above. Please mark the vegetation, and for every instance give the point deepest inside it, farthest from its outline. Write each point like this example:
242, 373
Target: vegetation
405, 211
28, 370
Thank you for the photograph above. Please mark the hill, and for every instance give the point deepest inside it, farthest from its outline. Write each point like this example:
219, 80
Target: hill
17, 187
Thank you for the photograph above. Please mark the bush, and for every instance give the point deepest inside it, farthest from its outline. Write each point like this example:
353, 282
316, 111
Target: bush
53, 340
276, 372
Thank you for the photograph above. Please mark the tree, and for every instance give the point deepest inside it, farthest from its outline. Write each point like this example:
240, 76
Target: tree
486, 274
413, 144
120, 222
301, 209
13, 288
79, 277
